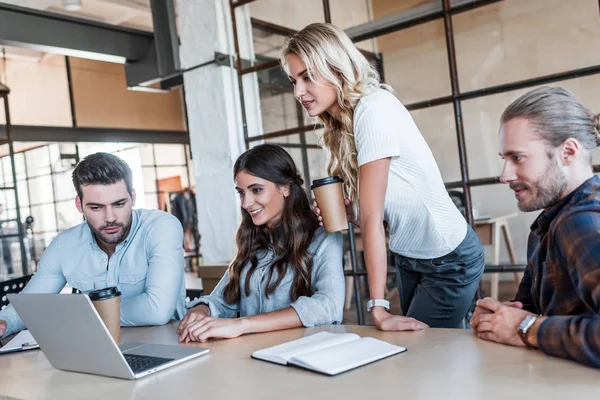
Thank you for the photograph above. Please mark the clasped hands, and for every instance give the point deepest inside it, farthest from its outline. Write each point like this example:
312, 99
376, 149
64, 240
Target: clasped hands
498, 322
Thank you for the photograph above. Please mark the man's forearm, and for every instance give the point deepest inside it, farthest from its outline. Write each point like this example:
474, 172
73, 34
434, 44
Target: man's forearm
571, 337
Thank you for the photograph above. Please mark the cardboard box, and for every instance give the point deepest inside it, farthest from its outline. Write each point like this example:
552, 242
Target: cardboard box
211, 275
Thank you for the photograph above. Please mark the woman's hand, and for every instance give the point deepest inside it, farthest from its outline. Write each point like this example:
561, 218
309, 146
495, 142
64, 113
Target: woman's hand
207, 327
384, 321
197, 313
349, 212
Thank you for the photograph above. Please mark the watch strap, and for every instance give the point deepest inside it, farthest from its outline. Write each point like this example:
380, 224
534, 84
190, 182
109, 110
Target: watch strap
524, 327
377, 303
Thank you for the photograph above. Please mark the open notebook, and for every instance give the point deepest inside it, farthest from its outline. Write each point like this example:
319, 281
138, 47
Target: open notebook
329, 353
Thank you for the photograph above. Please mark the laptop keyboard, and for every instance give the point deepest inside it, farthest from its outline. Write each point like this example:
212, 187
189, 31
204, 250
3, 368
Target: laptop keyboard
143, 363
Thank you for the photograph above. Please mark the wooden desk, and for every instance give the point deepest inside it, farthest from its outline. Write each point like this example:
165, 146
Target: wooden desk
439, 364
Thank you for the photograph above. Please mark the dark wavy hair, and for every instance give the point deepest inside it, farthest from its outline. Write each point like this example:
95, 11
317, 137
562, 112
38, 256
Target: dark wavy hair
289, 238
101, 169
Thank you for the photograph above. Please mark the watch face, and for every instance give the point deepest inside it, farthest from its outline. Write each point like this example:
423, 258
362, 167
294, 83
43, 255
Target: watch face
527, 322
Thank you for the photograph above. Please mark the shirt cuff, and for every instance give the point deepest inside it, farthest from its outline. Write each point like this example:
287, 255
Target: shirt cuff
312, 313
13, 322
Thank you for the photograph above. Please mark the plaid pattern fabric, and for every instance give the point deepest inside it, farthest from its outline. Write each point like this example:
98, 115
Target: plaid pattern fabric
562, 279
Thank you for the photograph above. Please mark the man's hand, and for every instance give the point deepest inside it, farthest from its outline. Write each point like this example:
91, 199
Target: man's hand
3, 327
479, 310
384, 321
498, 322
206, 328
349, 213
197, 313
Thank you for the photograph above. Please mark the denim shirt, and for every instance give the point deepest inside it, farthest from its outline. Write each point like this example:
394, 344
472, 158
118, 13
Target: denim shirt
147, 268
325, 306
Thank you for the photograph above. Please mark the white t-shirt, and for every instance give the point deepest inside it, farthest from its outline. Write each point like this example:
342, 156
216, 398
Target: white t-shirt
423, 221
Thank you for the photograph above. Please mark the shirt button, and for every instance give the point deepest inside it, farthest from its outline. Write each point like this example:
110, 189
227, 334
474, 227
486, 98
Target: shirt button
110, 279
104, 260
132, 279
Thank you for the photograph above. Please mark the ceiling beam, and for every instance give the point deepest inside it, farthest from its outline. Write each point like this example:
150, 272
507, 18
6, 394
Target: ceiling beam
55, 33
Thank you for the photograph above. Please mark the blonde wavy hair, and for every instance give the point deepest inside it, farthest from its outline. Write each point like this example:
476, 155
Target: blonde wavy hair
332, 59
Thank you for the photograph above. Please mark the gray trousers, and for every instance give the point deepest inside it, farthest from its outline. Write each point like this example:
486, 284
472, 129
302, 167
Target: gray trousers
440, 291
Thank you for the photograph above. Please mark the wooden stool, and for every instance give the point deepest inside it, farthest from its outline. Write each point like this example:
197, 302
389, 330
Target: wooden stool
489, 231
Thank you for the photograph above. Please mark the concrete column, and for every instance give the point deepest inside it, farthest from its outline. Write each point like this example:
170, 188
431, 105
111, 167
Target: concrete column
214, 116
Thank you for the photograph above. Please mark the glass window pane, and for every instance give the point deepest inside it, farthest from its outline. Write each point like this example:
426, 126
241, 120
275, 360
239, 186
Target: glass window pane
63, 186
514, 40
314, 136
23, 193
38, 161
62, 157
278, 107
267, 43
384, 8
415, 62
481, 119
317, 161
496, 201
44, 218
7, 170
40, 190
149, 176
291, 14
290, 144
68, 215
8, 199
347, 13
151, 200
169, 178
439, 130
146, 155
41, 241
169, 154
20, 165
10, 256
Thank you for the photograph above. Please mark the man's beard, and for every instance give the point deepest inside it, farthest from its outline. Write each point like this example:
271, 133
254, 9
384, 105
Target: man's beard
112, 239
549, 188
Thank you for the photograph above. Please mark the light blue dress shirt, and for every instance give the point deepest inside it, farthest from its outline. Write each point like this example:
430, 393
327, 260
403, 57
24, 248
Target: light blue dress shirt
147, 267
325, 306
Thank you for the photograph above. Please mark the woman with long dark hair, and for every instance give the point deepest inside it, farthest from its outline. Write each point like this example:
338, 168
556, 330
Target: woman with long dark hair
287, 272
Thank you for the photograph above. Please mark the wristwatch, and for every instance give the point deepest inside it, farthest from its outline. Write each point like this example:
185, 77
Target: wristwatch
524, 327
377, 302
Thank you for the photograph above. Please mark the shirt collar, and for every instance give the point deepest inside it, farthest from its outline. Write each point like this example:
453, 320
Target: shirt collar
542, 222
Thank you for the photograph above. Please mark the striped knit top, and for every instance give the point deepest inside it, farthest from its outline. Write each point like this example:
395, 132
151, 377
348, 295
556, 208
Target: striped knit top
423, 221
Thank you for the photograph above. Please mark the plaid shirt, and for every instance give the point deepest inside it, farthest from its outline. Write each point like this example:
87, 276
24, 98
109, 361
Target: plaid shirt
562, 279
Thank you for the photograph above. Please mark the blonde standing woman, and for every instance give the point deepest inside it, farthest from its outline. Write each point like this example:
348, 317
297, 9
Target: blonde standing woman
389, 170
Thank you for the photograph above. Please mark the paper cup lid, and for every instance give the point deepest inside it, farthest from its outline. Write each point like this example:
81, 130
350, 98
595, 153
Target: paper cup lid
326, 181
104, 294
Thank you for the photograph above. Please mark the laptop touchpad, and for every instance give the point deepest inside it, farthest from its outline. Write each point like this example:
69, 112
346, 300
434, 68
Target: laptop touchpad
162, 350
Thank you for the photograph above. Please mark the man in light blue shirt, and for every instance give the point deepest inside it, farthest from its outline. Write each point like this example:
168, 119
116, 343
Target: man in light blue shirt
138, 251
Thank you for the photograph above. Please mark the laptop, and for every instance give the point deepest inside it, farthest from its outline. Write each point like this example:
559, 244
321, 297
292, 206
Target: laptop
73, 338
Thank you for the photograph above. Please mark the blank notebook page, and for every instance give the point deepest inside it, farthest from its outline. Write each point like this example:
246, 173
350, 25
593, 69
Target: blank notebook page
347, 356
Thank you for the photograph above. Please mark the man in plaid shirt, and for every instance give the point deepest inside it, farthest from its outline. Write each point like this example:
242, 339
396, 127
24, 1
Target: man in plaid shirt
546, 139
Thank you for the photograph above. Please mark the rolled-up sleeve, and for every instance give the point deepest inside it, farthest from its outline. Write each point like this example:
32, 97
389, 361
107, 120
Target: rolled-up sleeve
326, 305
165, 288
49, 278
219, 307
